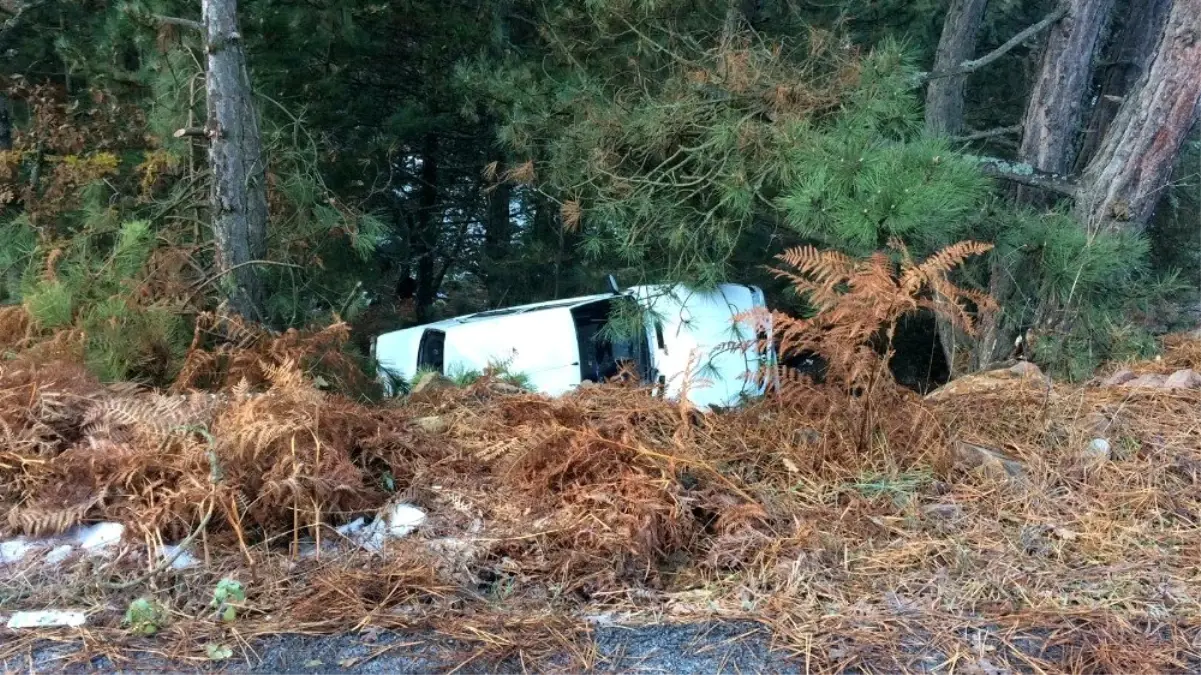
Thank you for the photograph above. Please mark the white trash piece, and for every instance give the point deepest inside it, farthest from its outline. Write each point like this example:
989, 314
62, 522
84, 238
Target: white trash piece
15, 550
59, 554
403, 519
47, 619
180, 560
395, 522
98, 536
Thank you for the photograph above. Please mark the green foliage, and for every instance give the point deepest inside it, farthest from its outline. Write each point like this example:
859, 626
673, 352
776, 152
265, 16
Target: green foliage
217, 651
95, 282
144, 616
728, 143
1098, 284
228, 597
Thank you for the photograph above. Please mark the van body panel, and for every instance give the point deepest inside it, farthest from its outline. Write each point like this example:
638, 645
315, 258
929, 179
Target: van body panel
691, 334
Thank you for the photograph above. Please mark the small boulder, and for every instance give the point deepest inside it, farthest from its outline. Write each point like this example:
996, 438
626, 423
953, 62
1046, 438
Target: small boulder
431, 382
1096, 423
943, 511
987, 461
1183, 379
434, 424
1026, 369
1148, 381
1119, 378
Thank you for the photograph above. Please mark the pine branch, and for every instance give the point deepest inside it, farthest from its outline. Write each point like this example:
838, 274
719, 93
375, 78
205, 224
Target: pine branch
976, 64
176, 21
1025, 174
988, 133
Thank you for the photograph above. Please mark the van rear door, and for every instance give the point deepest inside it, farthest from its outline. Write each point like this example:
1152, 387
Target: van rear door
698, 336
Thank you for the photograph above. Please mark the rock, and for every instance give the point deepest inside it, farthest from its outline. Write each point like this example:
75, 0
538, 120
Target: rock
1149, 381
1183, 379
1026, 369
434, 424
431, 382
1096, 424
944, 511
1097, 451
51, 618
988, 461
1119, 378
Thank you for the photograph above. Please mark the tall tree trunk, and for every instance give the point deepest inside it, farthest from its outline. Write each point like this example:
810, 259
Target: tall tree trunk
1125, 180
497, 234
425, 238
1049, 142
6, 123
1127, 60
944, 95
1053, 115
944, 110
239, 192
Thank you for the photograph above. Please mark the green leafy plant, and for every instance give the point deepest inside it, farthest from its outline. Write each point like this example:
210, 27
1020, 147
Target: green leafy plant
217, 652
228, 597
144, 616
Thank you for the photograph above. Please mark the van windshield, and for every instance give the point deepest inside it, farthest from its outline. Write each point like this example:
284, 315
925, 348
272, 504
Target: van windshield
603, 353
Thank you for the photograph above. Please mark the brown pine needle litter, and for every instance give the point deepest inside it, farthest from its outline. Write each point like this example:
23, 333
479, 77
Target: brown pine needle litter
889, 556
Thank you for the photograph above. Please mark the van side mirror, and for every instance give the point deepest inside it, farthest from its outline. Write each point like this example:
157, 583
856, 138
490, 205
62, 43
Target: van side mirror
613, 287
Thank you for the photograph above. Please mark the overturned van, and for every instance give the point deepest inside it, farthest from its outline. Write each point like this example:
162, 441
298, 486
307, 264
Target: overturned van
683, 334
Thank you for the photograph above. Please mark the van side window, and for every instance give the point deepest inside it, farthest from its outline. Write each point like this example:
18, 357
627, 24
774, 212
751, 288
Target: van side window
430, 351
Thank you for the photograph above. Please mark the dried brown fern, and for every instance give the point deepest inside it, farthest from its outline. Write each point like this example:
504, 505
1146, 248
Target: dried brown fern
858, 304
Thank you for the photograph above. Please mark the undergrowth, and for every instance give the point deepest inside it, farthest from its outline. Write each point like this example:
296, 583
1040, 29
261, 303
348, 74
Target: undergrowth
846, 538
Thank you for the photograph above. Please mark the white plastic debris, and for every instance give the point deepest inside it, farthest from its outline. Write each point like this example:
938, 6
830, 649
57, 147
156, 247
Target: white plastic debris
59, 554
180, 560
47, 619
98, 536
15, 550
403, 519
396, 522
351, 528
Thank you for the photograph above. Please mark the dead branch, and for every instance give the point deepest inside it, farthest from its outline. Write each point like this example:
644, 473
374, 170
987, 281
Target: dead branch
976, 64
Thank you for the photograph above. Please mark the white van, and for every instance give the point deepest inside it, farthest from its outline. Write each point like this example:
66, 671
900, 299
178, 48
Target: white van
559, 344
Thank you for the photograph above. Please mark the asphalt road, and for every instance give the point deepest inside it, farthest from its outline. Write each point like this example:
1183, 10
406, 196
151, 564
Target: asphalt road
733, 647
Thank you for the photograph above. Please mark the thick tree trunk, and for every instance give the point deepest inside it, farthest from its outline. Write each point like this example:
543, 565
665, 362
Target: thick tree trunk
944, 110
239, 192
1126, 178
425, 238
6, 123
1050, 133
1053, 116
944, 95
1127, 60
497, 234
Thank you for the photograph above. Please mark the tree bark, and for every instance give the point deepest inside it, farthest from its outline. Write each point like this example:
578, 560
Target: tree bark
944, 95
1127, 61
1125, 180
6, 123
944, 113
1053, 115
425, 238
497, 234
1049, 141
239, 190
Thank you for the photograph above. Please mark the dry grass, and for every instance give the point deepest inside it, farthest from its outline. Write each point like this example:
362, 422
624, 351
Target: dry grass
886, 556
